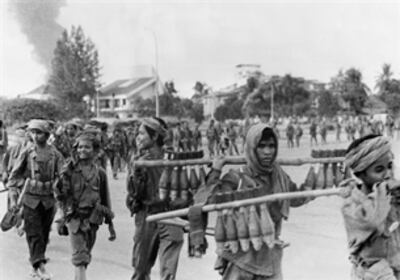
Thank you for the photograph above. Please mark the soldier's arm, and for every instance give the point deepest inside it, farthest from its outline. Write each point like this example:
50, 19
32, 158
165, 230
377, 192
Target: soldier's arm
18, 169
6, 160
17, 173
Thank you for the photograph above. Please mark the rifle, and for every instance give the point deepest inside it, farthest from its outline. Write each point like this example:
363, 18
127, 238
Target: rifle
13, 215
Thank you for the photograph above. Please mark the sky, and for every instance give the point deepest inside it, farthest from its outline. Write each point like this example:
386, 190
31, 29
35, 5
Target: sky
204, 40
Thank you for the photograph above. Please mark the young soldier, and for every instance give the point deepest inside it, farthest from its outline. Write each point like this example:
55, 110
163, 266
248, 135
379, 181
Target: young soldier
313, 133
298, 134
39, 165
197, 138
232, 135
151, 239
212, 137
65, 141
290, 134
261, 170
371, 214
83, 195
116, 149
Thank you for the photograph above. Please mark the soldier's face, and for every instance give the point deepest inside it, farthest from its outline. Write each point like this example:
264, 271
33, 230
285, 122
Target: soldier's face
266, 150
85, 149
143, 140
381, 170
38, 136
71, 131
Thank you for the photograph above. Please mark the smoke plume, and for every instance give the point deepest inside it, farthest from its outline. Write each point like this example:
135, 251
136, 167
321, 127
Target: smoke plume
37, 19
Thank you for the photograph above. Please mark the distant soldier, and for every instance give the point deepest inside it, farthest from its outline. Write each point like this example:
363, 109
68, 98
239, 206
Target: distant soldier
232, 135
219, 129
212, 137
83, 185
197, 138
298, 133
224, 143
187, 136
290, 135
178, 138
40, 165
338, 130
323, 130
116, 150
313, 133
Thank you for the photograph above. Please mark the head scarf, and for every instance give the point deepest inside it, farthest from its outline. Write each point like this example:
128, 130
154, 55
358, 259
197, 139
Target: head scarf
253, 137
41, 125
366, 153
155, 125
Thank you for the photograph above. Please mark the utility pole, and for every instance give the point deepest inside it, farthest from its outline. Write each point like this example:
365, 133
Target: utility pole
156, 75
272, 101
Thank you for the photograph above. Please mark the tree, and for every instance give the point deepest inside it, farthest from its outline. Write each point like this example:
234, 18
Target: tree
384, 79
389, 90
290, 97
354, 90
231, 109
25, 109
328, 104
145, 107
197, 112
75, 70
170, 87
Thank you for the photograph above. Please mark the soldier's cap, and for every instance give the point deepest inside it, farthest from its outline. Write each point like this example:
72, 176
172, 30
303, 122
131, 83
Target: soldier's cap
73, 123
41, 125
156, 125
92, 128
88, 136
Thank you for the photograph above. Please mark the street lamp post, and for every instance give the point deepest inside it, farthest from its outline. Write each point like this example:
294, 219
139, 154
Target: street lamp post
272, 101
157, 78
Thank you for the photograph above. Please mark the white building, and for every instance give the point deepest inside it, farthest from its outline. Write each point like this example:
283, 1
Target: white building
118, 98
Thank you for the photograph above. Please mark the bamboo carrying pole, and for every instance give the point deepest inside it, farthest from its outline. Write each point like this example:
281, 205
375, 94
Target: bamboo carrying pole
235, 160
250, 201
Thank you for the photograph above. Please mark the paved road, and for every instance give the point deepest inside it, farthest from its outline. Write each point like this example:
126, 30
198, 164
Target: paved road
315, 232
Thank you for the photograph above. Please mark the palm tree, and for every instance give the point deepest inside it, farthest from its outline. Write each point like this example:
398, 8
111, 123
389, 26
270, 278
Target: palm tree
355, 90
384, 79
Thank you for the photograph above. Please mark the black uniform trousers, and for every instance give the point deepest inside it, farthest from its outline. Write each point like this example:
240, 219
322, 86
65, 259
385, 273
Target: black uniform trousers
37, 228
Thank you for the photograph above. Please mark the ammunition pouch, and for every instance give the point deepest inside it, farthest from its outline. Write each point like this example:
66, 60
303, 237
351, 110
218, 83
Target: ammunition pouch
40, 188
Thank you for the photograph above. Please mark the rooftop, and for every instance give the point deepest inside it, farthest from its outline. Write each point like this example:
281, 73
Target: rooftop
125, 86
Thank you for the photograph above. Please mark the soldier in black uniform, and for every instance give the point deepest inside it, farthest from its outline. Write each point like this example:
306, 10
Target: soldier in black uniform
151, 239
39, 165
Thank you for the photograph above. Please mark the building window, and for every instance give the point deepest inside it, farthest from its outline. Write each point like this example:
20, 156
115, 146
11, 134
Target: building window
123, 102
104, 104
116, 103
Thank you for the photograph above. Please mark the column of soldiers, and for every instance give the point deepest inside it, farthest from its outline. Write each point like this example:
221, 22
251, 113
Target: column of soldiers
68, 175
64, 176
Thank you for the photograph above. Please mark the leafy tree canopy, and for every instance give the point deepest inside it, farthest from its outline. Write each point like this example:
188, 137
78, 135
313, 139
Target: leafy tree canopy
75, 69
